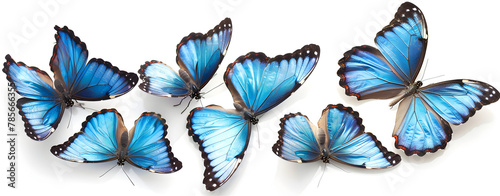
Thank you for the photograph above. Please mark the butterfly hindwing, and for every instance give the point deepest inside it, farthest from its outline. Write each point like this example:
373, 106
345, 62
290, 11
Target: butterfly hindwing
200, 54
160, 79
97, 141
41, 117
41, 107
260, 83
149, 148
298, 139
223, 137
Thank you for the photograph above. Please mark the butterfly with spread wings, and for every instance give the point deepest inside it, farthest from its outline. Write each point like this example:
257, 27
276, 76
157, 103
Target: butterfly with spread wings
198, 56
340, 136
425, 112
257, 83
43, 102
104, 137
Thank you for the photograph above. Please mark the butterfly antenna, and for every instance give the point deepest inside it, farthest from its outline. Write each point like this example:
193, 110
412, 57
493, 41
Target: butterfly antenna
433, 77
127, 176
321, 177
107, 171
70, 115
85, 108
258, 135
346, 171
214, 88
187, 106
425, 68
201, 102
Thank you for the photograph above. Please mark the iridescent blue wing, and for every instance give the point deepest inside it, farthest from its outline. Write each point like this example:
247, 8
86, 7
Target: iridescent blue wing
348, 143
68, 58
200, 54
404, 41
97, 141
223, 137
365, 73
369, 73
422, 123
92, 81
41, 107
160, 79
99, 80
260, 83
457, 100
41, 117
298, 139
149, 148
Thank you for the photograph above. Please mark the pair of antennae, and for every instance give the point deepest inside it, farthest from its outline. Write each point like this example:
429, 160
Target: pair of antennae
79, 105
423, 74
123, 172
324, 169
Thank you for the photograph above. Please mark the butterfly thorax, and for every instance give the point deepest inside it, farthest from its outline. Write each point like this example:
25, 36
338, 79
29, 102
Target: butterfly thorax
250, 117
195, 92
324, 156
121, 162
121, 158
63, 93
67, 100
411, 90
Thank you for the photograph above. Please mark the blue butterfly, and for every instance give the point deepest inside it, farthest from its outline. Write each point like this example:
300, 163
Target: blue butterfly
198, 56
104, 137
257, 84
44, 101
339, 136
424, 113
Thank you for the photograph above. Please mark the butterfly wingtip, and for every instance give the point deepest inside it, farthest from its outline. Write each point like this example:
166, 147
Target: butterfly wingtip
63, 28
8, 57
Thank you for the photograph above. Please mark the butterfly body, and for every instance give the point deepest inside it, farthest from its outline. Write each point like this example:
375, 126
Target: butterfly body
424, 112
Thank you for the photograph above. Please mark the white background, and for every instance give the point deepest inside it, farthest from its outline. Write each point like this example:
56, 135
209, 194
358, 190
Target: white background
463, 43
